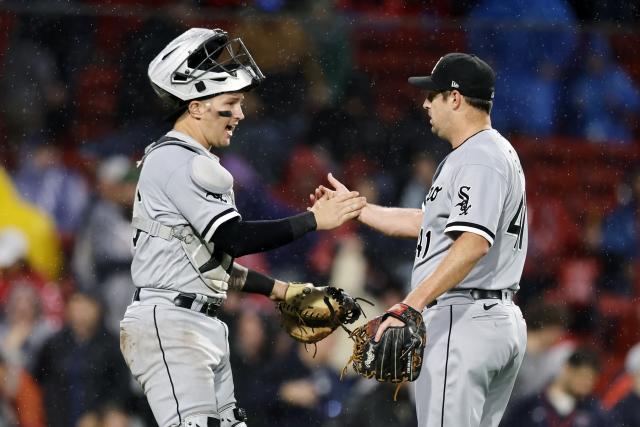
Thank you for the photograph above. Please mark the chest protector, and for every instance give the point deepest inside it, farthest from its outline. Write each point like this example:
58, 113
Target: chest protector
213, 266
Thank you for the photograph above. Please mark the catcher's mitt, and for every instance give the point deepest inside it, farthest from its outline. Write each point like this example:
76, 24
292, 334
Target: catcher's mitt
309, 313
397, 357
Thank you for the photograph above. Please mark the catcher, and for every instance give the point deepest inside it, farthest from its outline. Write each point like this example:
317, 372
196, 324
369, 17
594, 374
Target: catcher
187, 232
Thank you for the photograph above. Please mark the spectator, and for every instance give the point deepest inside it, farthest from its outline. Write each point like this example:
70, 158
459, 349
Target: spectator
627, 412
567, 401
416, 189
546, 324
80, 369
604, 97
252, 352
20, 398
16, 273
24, 331
44, 180
329, 33
310, 392
102, 253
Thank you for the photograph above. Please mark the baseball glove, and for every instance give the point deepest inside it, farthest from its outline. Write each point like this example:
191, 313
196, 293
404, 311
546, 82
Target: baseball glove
309, 313
397, 357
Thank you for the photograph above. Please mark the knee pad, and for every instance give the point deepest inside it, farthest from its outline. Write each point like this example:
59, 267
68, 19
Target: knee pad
233, 417
200, 421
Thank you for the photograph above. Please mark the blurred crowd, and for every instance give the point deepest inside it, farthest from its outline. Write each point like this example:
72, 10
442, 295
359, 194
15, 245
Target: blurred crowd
77, 110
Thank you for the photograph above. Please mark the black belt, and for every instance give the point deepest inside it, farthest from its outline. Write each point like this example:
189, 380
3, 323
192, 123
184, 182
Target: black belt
475, 293
209, 308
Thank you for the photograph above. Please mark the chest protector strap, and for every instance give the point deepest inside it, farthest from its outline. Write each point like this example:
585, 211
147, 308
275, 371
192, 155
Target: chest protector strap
213, 266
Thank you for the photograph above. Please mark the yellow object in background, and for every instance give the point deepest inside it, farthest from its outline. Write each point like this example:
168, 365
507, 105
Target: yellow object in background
44, 252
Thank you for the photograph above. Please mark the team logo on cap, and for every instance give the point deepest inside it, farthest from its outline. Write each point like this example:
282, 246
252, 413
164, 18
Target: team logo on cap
454, 84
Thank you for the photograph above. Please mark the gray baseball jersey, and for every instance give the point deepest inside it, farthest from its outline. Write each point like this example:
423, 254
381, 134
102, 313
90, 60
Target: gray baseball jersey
172, 192
179, 356
475, 346
480, 188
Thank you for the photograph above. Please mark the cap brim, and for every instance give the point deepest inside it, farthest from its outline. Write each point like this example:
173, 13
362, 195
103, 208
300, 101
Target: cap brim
423, 82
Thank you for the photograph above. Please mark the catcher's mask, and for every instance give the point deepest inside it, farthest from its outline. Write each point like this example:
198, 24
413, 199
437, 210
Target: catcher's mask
202, 63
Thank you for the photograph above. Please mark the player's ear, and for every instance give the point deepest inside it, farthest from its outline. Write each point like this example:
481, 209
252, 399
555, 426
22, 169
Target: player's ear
456, 99
196, 109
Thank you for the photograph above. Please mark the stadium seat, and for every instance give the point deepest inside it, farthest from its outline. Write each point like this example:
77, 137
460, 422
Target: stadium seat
576, 282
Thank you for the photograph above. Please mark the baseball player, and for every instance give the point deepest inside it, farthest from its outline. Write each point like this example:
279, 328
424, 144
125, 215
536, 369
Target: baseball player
187, 233
471, 245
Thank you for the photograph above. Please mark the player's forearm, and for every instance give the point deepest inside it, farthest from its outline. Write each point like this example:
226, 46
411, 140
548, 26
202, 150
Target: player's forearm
395, 222
465, 252
238, 238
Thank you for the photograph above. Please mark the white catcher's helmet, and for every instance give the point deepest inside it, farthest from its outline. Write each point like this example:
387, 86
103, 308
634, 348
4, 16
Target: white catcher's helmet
202, 63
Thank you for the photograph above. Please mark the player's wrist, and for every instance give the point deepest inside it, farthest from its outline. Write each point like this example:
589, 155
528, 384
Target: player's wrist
415, 302
279, 290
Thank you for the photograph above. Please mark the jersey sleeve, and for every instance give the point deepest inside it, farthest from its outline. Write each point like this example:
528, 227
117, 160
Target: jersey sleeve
204, 208
478, 194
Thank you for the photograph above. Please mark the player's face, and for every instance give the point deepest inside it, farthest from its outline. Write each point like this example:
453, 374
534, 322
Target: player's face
218, 129
581, 381
435, 104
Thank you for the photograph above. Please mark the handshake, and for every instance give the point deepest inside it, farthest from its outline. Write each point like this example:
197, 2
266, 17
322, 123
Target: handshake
334, 207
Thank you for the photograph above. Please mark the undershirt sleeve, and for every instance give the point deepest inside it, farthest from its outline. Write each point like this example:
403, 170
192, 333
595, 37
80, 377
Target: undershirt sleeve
238, 238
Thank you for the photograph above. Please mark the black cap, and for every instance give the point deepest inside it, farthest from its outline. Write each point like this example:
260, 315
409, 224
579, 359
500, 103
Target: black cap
467, 74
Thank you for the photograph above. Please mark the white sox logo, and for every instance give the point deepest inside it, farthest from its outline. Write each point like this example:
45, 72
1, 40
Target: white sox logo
433, 193
464, 200
222, 197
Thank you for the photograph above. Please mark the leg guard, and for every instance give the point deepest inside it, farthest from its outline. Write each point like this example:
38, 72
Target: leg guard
200, 421
233, 417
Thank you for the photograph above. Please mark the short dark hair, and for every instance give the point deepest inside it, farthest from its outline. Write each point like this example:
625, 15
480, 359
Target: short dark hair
584, 356
477, 103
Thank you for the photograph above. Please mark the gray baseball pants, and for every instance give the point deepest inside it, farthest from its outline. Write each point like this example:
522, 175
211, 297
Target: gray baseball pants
180, 358
473, 353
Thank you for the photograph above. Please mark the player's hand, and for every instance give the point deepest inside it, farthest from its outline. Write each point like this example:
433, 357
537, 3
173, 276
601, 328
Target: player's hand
389, 322
332, 213
322, 191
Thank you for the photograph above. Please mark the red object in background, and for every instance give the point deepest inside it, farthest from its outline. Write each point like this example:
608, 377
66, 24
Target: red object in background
576, 282
614, 391
553, 233
390, 54
307, 169
27, 402
95, 102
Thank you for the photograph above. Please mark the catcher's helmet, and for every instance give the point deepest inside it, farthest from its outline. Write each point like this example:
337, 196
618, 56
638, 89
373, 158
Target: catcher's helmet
201, 63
